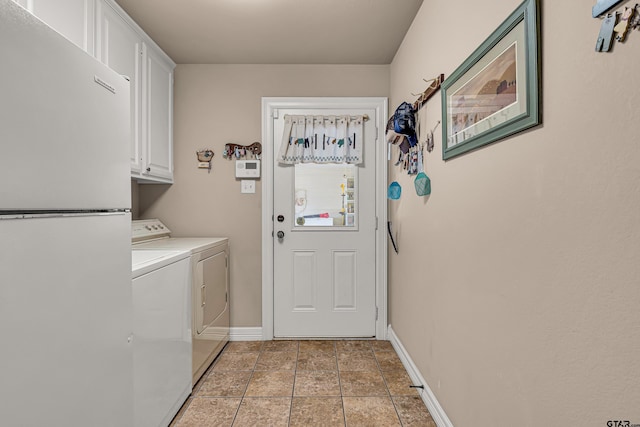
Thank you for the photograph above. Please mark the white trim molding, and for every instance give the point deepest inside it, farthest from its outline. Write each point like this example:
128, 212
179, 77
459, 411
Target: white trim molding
429, 399
245, 334
270, 107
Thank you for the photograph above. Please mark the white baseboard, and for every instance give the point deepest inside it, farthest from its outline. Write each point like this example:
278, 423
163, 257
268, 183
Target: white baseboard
245, 334
429, 399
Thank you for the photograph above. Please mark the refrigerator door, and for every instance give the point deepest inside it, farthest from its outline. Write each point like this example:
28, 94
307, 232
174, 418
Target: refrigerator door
64, 122
66, 321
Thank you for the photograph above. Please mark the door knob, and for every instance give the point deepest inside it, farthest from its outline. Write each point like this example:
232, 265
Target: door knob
280, 234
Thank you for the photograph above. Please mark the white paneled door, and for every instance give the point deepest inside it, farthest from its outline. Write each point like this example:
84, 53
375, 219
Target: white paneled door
324, 243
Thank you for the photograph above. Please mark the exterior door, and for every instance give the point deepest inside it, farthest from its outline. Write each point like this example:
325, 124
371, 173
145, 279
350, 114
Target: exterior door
324, 243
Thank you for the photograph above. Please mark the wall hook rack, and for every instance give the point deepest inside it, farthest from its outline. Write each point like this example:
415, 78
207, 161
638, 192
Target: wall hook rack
238, 151
428, 92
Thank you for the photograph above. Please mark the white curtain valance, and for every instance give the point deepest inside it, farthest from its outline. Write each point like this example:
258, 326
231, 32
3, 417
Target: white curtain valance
322, 139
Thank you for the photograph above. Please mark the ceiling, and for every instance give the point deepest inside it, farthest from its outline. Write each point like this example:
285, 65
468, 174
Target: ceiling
275, 31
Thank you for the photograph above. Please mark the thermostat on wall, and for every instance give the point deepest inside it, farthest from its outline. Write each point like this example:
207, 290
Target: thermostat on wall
248, 168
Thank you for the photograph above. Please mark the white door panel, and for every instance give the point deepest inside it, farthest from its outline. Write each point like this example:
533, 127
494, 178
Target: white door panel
325, 268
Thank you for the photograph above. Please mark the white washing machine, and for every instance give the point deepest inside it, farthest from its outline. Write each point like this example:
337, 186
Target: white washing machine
161, 335
209, 278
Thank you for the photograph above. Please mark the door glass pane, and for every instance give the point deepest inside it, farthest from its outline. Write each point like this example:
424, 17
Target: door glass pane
325, 195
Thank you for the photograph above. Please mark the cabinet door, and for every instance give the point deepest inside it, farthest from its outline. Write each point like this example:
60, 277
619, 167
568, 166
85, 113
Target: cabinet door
158, 115
71, 18
120, 48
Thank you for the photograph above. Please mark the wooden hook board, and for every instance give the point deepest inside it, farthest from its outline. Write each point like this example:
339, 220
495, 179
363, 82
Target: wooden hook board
428, 92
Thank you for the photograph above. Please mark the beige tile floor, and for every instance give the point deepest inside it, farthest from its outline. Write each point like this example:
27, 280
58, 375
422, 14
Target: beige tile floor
305, 383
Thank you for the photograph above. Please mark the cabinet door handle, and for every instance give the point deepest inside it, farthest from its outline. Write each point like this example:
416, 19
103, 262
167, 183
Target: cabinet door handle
203, 296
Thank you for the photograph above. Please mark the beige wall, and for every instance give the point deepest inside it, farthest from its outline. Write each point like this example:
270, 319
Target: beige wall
516, 290
219, 104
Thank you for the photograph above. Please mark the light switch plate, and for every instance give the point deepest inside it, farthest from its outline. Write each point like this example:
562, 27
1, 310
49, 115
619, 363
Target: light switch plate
247, 186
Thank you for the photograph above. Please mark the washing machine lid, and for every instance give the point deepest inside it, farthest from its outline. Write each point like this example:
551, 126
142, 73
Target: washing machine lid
145, 261
191, 244
153, 234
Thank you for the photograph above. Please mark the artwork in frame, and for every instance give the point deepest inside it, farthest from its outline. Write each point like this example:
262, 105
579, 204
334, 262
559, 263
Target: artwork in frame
496, 92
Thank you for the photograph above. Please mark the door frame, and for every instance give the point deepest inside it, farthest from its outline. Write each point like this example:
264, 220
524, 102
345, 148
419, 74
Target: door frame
270, 107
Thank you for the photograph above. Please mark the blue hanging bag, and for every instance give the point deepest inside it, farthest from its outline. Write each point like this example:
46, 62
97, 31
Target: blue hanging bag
404, 122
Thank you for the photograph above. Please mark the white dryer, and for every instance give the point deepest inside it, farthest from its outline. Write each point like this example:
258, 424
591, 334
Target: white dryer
209, 275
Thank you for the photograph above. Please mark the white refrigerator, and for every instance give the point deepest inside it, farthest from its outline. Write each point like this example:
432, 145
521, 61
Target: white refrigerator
65, 255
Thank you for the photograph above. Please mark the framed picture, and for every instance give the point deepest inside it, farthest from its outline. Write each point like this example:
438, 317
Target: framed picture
496, 91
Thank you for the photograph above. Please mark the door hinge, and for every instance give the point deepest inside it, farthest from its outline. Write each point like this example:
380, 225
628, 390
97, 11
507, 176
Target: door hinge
226, 297
376, 313
376, 223
275, 113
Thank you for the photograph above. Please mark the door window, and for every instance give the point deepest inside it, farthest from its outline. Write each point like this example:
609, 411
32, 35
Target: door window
325, 196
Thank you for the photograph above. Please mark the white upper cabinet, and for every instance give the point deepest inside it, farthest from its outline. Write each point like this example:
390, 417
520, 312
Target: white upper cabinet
72, 18
159, 115
124, 47
104, 30
120, 48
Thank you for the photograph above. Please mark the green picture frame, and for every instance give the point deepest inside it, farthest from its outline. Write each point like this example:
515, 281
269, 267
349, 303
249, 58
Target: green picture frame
496, 92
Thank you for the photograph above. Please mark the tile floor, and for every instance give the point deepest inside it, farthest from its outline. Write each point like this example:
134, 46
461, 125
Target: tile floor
305, 383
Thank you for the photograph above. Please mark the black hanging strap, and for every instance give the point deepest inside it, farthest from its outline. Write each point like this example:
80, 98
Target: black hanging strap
395, 248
